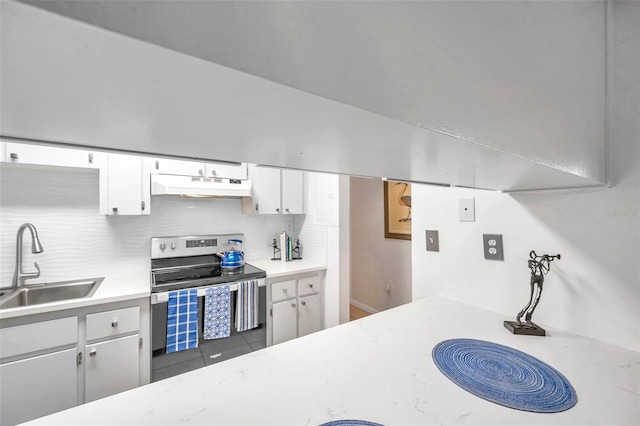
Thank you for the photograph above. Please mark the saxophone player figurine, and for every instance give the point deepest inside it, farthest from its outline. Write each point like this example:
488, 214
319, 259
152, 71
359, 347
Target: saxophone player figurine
540, 266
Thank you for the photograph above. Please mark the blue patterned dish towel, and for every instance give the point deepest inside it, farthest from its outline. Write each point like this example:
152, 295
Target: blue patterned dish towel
182, 320
217, 312
247, 305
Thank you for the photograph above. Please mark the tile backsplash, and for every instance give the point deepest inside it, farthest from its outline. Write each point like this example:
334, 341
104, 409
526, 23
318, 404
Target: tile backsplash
79, 242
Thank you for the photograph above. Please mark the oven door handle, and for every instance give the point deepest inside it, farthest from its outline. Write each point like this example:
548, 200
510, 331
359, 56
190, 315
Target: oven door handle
202, 291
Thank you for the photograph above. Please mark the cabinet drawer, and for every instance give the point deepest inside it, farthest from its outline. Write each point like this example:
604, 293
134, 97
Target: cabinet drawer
283, 290
27, 338
113, 323
308, 285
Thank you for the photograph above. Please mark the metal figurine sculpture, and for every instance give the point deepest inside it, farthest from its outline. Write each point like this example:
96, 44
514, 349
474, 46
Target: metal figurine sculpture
540, 266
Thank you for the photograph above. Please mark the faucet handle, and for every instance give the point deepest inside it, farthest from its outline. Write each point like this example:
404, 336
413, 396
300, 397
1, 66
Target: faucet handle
36, 274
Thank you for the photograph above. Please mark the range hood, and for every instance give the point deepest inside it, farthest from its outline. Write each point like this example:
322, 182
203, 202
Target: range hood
189, 186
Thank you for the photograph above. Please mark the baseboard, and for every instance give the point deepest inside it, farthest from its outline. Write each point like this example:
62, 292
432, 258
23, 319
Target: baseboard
363, 307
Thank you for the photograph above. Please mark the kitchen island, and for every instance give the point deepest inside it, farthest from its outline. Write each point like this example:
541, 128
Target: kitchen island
378, 369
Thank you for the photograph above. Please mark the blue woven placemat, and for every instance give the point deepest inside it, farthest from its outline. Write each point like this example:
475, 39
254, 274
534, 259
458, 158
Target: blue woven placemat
504, 375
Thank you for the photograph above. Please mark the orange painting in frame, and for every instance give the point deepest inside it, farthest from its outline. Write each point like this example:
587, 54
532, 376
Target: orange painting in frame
397, 210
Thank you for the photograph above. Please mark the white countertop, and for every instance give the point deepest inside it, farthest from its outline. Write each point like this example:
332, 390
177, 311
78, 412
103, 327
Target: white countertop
112, 289
278, 268
378, 369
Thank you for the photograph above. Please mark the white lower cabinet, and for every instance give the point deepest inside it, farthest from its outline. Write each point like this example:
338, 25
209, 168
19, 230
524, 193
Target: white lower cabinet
37, 386
309, 315
111, 367
285, 317
59, 360
295, 307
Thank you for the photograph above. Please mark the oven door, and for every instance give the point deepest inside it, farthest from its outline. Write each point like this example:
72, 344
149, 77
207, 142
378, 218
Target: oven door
208, 351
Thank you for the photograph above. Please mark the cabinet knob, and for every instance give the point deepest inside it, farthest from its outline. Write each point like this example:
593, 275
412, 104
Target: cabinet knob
303, 303
93, 352
287, 210
13, 156
310, 285
293, 305
114, 209
213, 172
201, 172
284, 290
278, 210
114, 323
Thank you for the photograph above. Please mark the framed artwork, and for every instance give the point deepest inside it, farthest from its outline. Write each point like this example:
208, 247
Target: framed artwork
397, 210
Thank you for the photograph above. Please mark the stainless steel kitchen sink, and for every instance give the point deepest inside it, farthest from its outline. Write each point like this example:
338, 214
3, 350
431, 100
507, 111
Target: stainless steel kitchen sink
36, 294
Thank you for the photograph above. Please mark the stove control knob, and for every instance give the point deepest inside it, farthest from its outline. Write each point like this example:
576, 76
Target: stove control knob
173, 246
163, 246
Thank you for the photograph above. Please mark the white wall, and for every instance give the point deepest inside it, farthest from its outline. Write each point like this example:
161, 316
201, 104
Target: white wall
79, 242
594, 290
376, 260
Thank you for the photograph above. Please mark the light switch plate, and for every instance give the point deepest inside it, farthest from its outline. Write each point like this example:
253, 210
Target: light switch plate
492, 244
433, 242
288, 228
467, 209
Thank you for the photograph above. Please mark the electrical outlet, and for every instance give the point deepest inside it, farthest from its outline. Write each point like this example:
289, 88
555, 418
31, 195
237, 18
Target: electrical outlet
433, 242
467, 209
288, 228
492, 244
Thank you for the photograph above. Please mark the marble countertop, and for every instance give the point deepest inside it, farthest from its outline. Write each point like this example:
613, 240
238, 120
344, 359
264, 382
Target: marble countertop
378, 369
278, 268
112, 289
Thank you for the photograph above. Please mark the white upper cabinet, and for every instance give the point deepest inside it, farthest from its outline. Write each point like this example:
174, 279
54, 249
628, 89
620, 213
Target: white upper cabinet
226, 170
275, 191
170, 166
19, 153
124, 186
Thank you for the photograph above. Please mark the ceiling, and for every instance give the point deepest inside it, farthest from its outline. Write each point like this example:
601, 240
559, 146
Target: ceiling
494, 74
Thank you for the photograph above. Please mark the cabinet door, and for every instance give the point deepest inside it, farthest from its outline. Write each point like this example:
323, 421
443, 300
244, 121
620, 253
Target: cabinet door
170, 166
292, 192
266, 189
227, 171
38, 386
125, 185
284, 325
45, 155
309, 315
111, 367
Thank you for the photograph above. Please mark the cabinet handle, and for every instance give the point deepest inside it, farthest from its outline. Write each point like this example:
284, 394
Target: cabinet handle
90, 158
303, 303
13, 156
114, 323
142, 205
200, 172
293, 305
284, 290
93, 352
213, 172
157, 165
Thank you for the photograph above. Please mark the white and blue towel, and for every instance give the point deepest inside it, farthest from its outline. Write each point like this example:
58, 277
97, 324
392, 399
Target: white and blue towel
247, 305
182, 320
217, 312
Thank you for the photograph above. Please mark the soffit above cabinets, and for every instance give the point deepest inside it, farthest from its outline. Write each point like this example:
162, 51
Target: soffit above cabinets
362, 88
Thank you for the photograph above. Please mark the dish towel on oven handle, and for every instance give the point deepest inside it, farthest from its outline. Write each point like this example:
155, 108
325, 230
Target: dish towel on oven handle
247, 305
182, 320
217, 312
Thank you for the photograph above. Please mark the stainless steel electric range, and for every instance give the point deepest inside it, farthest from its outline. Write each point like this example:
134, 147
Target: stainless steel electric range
194, 262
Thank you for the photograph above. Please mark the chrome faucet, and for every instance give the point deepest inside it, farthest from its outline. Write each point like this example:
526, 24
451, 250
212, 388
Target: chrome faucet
36, 247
